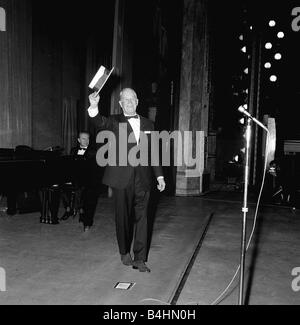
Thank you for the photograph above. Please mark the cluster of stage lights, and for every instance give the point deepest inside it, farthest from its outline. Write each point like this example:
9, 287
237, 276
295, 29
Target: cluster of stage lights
244, 38
245, 50
268, 65
269, 46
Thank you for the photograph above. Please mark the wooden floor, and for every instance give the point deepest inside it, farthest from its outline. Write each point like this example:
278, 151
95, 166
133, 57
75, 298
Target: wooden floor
62, 265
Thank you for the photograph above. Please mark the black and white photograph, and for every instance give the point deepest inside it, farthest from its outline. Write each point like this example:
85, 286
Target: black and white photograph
149, 155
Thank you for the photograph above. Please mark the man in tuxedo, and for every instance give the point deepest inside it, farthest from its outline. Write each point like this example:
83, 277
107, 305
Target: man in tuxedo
82, 148
130, 184
87, 192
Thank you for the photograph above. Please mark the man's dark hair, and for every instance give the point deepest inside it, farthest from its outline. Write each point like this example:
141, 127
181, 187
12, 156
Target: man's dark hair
83, 131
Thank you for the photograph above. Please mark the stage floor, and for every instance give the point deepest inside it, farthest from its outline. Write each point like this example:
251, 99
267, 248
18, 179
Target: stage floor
62, 265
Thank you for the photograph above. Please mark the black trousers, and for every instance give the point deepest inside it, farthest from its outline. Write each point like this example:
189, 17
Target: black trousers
131, 205
85, 199
89, 203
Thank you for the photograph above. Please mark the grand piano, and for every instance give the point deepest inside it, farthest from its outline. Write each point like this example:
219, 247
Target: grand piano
24, 169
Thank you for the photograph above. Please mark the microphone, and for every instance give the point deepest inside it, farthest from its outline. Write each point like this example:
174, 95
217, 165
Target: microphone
245, 112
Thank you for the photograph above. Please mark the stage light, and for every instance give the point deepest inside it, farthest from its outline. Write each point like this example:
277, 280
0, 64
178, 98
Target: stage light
250, 27
241, 37
244, 49
242, 120
267, 65
272, 23
280, 34
242, 107
246, 71
3, 19
277, 56
273, 78
268, 46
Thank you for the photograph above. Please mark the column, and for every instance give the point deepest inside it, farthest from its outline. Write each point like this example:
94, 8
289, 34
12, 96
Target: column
194, 94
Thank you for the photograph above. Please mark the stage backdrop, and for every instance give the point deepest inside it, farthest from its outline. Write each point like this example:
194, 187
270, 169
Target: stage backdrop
15, 74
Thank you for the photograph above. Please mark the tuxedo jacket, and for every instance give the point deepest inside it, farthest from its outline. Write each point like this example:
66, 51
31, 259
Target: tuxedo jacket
119, 176
90, 152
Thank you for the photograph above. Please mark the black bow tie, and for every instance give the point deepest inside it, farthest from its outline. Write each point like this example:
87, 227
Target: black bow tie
82, 149
132, 116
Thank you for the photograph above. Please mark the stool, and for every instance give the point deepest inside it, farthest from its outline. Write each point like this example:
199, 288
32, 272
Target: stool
50, 204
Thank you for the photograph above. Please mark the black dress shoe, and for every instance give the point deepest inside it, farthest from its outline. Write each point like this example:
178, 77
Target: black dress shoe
66, 215
126, 259
141, 266
81, 217
54, 222
86, 228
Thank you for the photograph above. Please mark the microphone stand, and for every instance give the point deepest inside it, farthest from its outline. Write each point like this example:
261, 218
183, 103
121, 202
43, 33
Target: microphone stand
245, 211
249, 118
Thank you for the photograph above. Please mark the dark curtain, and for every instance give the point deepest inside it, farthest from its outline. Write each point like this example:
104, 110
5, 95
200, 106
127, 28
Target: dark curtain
15, 74
69, 124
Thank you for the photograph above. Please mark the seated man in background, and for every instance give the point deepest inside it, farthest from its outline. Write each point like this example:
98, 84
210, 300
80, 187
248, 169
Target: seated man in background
86, 192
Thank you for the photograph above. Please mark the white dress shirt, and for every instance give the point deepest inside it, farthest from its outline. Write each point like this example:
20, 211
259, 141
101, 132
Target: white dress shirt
93, 111
136, 127
81, 151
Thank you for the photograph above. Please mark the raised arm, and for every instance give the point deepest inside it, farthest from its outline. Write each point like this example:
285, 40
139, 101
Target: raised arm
101, 122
